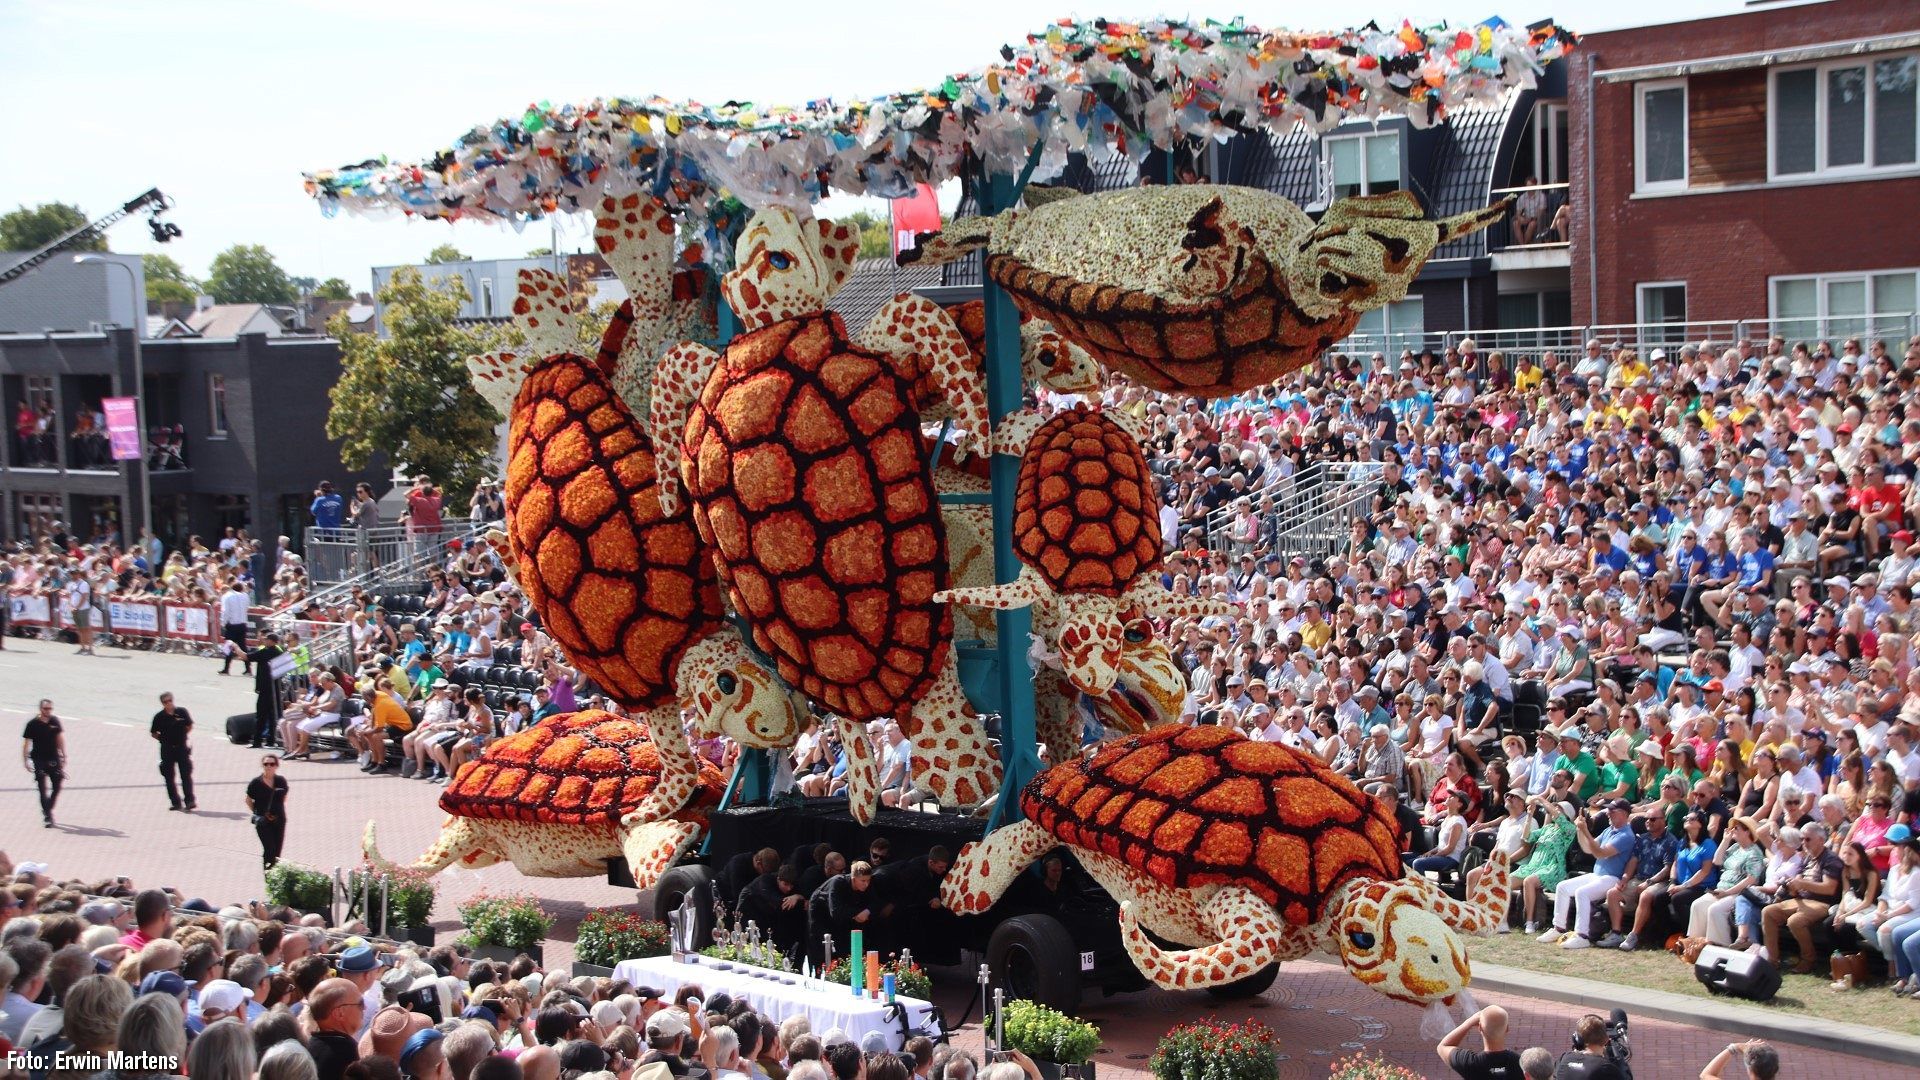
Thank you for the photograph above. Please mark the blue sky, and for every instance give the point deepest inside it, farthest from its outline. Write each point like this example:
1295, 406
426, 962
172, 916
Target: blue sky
222, 104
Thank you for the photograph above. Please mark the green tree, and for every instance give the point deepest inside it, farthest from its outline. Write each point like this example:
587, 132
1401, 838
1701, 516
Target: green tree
303, 286
167, 283
247, 274
540, 253
445, 253
407, 395
31, 229
876, 233
334, 289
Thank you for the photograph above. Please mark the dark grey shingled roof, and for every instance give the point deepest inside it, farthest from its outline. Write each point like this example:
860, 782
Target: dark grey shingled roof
1463, 169
1287, 165
873, 283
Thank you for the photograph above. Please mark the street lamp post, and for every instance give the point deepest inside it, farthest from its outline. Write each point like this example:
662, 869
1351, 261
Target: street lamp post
139, 390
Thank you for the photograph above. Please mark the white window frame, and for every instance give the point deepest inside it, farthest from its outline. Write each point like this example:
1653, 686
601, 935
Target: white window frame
1821, 170
1327, 196
216, 404
1549, 160
1640, 299
486, 298
1640, 92
1822, 317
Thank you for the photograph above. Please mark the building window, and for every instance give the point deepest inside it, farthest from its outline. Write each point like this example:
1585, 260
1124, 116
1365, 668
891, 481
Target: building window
1846, 117
486, 298
1870, 304
1363, 164
1660, 135
1400, 325
1662, 309
217, 405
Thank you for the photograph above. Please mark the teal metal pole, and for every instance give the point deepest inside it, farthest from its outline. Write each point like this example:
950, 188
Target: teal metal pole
1006, 390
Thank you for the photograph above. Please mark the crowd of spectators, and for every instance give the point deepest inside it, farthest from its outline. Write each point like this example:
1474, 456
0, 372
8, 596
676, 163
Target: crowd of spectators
252, 991
62, 563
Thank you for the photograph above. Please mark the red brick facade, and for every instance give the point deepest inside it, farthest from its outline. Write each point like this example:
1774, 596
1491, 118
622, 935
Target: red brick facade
1730, 231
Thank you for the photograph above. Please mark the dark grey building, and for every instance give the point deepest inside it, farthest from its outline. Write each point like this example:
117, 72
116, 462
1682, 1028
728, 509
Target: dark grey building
236, 434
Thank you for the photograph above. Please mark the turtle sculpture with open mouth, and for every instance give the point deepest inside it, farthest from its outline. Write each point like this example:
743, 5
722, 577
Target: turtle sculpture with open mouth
1201, 289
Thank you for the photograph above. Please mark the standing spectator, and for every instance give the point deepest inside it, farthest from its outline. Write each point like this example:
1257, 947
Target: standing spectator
266, 693
366, 512
267, 800
43, 752
171, 726
233, 627
79, 595
328, 508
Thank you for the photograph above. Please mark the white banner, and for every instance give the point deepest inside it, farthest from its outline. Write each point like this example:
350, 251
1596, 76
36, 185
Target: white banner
133, 617
188, 622
29, 609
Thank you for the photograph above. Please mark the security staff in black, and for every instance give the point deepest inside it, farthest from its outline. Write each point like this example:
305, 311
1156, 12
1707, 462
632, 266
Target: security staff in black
266, 695
43, 752
171, 726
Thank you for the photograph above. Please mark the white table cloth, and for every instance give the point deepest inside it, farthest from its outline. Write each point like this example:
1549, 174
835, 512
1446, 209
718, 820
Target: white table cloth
826, 1005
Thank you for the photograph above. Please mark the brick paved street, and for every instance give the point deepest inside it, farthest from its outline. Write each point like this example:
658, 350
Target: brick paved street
113, 819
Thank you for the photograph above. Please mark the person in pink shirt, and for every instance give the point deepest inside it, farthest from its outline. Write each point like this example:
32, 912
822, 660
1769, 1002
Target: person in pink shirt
152, 919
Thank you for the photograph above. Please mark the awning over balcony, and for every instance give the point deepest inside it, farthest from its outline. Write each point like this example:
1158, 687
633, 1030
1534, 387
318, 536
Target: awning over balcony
1768, 58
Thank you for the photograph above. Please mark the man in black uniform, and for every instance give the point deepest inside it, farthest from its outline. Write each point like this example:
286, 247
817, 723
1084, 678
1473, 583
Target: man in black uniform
43, 752
171, 726
920, 921
773, 900
842, 904
266, 698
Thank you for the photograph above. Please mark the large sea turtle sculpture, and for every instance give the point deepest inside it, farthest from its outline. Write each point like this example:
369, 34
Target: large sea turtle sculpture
802, 454
561, 798
1251, 853
1201, 289
1087, 527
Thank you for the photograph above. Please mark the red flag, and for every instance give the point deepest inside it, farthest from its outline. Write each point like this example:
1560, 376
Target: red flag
917, 213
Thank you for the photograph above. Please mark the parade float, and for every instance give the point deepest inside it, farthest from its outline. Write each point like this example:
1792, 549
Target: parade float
756, 513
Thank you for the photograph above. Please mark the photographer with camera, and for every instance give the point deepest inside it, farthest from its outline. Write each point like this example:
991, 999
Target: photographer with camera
1599, 1050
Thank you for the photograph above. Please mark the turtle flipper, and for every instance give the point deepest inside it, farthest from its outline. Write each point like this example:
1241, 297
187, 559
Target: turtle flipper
961, 237
679, 772
459, 841
1053, 718
1155, 600
1485, 908
1250, 938
933, 355
677, 380
983, 870
635, 235
654, 846
543, 314
951, 755
1027, 589
863, 773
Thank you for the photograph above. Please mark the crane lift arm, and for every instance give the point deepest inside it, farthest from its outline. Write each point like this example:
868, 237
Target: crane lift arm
151, 200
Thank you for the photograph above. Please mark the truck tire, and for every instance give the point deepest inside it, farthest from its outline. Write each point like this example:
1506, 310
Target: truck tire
1252, 986
1033, 957
679, 882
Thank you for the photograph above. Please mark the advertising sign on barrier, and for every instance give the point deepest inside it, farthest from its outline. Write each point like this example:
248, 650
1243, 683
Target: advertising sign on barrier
29, 609
189, 622
133, 617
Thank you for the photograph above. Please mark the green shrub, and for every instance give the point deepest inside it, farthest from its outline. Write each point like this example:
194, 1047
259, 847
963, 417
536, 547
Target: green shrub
1211, 1050
610, 935
409, 896
508, 922
299, 888
1047, 1035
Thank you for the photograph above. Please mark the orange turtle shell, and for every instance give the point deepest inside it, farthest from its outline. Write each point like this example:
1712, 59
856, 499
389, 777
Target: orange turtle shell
1206, 805
803, 459
622, 586
1084, 515
580, 768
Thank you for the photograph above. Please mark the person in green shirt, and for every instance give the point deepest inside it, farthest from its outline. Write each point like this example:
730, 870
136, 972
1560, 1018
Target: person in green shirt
1681, 763
1545, 866
424, 673
1619, 778
1574, 759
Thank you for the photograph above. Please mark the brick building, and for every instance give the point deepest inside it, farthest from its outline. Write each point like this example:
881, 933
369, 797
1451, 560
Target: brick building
1757, 166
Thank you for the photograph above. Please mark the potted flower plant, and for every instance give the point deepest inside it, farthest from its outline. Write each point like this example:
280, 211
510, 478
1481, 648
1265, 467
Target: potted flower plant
408, 895
1059, 1045
1213, 1050
1362, 1066
501, 927
300, 889
610, 935
909, 980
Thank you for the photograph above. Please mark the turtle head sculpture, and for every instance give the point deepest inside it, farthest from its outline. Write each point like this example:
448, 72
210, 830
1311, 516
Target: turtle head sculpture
1390, 941
788, 266
736, 694
1202, 289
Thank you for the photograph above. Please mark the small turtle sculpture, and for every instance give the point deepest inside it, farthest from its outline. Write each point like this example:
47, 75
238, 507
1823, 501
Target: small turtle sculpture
561, 798
1201, 289
1249, 852
802, 454
1087, 527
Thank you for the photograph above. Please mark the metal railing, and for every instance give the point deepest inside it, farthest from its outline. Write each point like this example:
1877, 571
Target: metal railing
337, 555
1535, 230
407, 569
1569, 342
1322, 498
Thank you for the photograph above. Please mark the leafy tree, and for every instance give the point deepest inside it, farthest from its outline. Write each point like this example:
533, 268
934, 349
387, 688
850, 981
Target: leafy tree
445, 253
247, 274
876, 233
334, 289
167, 283
540, 253
407, 395
31, 229
304, 286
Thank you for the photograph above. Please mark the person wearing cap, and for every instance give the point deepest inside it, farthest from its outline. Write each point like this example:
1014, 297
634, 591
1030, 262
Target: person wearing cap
1648, 878
360, 966
424, 1058
1573, 901
667, 1032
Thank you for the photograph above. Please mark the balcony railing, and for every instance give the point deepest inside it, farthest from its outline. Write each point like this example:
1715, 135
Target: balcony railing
1535, 222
